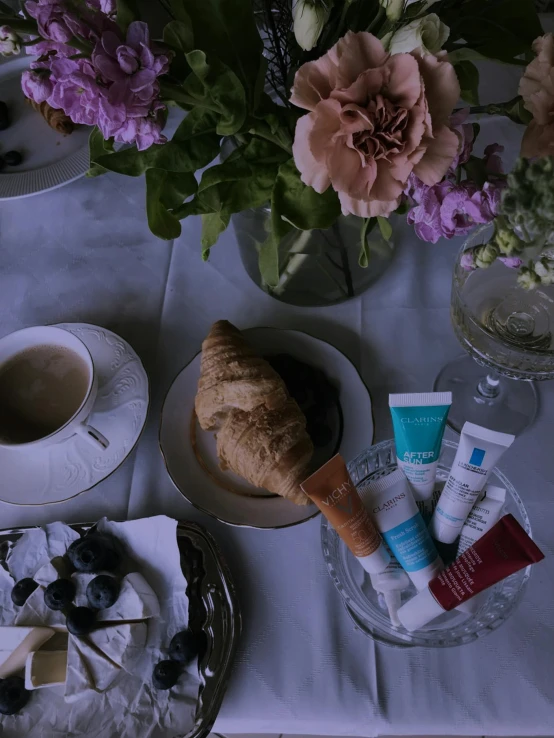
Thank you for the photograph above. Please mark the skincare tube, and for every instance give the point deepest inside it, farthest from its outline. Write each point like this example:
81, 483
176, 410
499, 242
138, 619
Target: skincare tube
419, 421
392, 506
505, 549
335, 494
477, 453
484, 514
389, 585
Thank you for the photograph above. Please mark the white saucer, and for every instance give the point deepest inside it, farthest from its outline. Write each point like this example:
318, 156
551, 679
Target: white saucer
50, 159
208, 488
70, 467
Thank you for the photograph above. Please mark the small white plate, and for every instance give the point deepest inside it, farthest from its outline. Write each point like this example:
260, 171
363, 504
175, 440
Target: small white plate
224, 495
50, 159
62, 471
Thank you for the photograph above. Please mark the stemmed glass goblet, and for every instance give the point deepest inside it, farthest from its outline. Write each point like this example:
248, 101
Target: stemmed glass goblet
508, 333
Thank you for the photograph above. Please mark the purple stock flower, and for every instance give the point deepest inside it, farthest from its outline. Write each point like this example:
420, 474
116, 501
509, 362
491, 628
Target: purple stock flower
51, 17
36, 85
467, 261
513, 262
108, 7
448, 209
493, 160
465, 133
76, 90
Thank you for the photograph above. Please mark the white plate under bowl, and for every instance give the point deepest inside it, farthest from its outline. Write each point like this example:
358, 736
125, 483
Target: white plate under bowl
208, 488
50, 159
66, 469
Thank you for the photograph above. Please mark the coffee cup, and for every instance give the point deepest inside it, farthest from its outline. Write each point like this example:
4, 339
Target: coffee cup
48, 386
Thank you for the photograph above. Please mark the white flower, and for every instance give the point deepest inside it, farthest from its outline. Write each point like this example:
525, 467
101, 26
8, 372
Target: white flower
428, 33
309, 18
10, 43
528, 279
393, 8
544, 269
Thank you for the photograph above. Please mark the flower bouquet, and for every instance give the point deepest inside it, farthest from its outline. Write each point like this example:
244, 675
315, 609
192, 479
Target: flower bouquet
334, 108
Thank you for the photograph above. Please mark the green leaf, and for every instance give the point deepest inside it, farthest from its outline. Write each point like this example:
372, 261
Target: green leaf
367, 225
178, 35
497, 29
174, 156
216, 83
468, 77
226, 30
127, 12
476, 170
178, 9
165, 191
197, 123
300, 204
385, 227
464, 53
213, 225
98, 146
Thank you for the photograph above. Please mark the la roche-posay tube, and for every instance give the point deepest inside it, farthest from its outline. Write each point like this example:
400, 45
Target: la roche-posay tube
486, 512
419, 421
391, 504
334, 492
478, 452
503, 550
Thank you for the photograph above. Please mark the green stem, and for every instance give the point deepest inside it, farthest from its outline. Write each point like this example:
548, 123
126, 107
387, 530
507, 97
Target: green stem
19, 24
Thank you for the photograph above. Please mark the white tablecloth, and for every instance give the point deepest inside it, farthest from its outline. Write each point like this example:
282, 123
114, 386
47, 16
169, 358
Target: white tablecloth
84, 253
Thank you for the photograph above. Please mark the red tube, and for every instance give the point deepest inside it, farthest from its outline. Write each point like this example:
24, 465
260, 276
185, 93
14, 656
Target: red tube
505, 549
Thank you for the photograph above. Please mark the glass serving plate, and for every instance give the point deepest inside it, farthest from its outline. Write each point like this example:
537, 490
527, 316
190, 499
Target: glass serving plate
368, 610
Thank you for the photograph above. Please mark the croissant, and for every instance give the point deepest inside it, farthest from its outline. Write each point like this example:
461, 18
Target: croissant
55, 118
261, 431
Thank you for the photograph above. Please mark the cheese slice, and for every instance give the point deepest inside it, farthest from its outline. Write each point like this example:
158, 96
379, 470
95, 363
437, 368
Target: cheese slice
46, 574
89, 672
136, 601
45, 669
122, 643
35, 612
16, 643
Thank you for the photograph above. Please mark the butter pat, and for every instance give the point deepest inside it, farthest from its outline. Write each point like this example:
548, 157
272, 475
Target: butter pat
16, 643
45, 669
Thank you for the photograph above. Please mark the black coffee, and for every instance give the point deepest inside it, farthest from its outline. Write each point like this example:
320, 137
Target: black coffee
40, 390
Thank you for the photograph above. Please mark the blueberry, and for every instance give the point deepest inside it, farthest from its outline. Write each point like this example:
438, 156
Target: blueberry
59, 594
13, 695
13, 158
94, 553
80, 621
23, 590
102, 592
185, 646
4, 116
166, 674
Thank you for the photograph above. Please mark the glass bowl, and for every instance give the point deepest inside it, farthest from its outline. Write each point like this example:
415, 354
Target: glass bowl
367, 608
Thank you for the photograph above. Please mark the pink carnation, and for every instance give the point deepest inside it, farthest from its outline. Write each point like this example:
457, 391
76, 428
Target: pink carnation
537, 90
374, 119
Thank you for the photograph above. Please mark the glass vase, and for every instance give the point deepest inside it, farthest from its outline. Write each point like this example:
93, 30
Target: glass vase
318, 267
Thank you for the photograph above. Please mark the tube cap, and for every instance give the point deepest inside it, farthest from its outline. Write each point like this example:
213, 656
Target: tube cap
377, 561
442, 531
419, 611
393, 598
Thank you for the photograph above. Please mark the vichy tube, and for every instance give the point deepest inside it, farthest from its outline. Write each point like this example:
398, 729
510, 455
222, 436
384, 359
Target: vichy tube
419, 421
335, 494
477, 453
484, 514
392, 506
505, 549
389, 585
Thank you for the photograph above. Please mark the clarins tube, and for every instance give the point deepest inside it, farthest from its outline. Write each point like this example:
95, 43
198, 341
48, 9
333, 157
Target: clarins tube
505, 549
419, 421
335, 494
389, 585
392, 506
477, 453
484, 514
